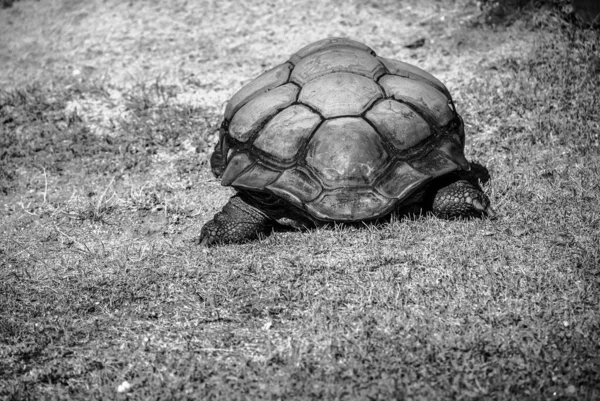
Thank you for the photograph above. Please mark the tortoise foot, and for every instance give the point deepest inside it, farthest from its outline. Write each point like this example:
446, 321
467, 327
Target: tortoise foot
238, 222
462, 199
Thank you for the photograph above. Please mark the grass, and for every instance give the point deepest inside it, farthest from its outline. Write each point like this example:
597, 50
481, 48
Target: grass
103, 189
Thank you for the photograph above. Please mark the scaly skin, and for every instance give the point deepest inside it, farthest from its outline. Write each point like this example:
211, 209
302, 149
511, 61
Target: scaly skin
461, 199
238, 222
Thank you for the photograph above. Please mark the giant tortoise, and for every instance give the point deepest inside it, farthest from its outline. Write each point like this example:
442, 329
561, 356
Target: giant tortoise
339, 134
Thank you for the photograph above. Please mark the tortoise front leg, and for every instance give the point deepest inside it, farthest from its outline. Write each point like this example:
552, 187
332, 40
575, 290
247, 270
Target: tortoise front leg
237, 222
461, 199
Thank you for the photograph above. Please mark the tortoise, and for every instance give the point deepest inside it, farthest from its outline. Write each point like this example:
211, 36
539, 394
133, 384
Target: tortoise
339, 134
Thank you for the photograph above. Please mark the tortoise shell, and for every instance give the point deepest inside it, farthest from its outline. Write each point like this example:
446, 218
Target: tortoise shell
339, 132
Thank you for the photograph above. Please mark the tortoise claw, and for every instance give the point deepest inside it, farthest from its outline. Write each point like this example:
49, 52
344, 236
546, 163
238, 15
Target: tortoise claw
484, 208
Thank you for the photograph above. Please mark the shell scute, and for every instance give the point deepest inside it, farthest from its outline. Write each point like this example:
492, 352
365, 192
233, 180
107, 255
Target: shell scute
340, 94
398, 123
235, 166
401, 181
434, 164
346, 152
297, 122
256, 177
341, 59
416, 92
349, 204
250, 118
397, 67
266, 81
295, 186
326, 44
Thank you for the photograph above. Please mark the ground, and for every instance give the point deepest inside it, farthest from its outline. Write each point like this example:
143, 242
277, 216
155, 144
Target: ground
108, 113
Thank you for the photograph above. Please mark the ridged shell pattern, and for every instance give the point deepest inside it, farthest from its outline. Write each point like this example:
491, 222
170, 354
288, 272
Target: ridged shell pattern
339, 132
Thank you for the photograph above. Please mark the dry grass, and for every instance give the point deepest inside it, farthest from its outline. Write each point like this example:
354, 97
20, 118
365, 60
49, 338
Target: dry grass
104, 137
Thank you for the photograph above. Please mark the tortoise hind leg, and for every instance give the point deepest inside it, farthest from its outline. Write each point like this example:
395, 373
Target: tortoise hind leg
461, 198
237, 222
